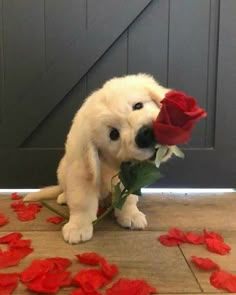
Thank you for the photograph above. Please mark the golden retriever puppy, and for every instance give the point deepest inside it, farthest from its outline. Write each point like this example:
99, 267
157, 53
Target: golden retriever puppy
113, 125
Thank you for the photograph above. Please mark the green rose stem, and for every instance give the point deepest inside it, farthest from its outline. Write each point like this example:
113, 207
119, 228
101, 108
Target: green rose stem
54, 210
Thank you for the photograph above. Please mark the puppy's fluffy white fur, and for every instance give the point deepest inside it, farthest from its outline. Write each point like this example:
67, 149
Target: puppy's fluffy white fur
91, 158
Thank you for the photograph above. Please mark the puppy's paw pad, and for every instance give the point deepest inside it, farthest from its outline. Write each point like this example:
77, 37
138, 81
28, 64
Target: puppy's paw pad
136, 220
73, 234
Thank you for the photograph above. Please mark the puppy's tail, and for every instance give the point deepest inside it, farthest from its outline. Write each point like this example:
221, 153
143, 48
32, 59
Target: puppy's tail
46, 193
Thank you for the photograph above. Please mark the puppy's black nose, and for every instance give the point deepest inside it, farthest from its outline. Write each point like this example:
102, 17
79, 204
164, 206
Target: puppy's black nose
145, 137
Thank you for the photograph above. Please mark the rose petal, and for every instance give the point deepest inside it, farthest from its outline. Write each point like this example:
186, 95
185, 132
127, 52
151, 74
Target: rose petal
204, 263
8, 283
194, 238
90, 258
26, 212
90, 279
217, 246
212, 235
10, 237
109, 270
81, 292
20, 244
223, 280
55, 219
166, 240
3, 220
59, 263
15, 196
131, 287
13, 256
177, 234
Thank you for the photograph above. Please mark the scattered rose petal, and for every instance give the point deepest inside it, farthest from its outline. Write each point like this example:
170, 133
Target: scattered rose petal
3, 220
59, 263
131, 287
13, 256
8, 283
15, 196
166, 240
90, 258
212, 235
217, 246
90, 279
194, 238
81, 292
20, 244
10, 237
205, 263
109, 270
223, 280
176, 233
26, 212
55, 219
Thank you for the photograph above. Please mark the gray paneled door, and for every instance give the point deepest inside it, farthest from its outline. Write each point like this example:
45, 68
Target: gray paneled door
53, 53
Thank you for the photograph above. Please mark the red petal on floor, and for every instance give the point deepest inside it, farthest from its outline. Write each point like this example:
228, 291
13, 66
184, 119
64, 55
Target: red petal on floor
166, 240
10, 237
205, 263
15, 196
26, 212
8, 283
36, 269
26, 215
131, 287
109, 270
20, 244
176, 233
217, 246
81, 292
55, 219
59, 263
223, 280
17, 205
13, 256
3, 220
43, 285
194, 238
90, 258
90, 279
212, 235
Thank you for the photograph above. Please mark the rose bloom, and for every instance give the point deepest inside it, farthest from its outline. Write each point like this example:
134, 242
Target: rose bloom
178, 116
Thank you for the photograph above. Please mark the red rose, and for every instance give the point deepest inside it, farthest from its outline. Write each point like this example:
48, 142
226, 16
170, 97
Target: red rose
176, 119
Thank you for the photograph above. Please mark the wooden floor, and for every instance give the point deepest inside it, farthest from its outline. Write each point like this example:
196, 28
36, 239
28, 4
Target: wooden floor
138, 254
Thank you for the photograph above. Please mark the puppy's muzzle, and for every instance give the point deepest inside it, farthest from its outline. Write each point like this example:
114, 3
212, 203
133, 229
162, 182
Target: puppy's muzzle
145, 137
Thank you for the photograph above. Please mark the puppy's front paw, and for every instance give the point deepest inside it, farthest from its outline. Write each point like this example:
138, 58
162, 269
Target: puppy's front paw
73, 234
133, 220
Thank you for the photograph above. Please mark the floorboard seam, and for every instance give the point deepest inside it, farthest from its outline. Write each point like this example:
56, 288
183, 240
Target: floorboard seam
199, 285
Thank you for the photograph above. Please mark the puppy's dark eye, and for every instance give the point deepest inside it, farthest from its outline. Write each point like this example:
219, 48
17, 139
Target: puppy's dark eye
114, 134
138, 106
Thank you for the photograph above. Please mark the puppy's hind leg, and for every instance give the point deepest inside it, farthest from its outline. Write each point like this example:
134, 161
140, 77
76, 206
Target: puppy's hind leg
130, 216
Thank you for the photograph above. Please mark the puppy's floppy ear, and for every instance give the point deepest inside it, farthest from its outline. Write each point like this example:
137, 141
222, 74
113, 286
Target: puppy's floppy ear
92, 163
156, 91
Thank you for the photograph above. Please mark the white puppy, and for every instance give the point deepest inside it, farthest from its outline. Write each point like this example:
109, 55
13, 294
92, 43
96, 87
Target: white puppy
113, 125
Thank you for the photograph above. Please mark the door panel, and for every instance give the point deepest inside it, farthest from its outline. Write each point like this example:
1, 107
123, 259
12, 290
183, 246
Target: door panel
65, 50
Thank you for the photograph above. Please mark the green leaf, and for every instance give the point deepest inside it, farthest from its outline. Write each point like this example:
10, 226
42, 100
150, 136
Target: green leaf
117, 193
120, 202
135, 175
